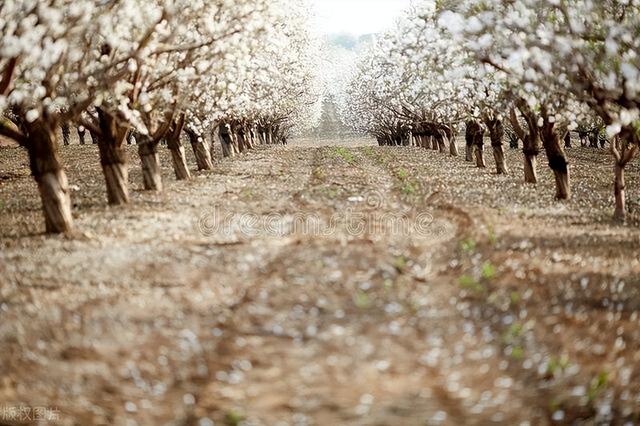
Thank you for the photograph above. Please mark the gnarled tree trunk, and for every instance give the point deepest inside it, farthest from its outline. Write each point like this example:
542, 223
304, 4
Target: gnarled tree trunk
441, 143
475, 142
270, 138
201, 149
567, 140
150, 162
557, 159
66, 134
623, 152
113, 158
42, 146
241, 135
226, 140
469, 136
530, 141
179, 160
81, 134
251, 140
619, 186
496, 134
453, 147
530, 167
174, 144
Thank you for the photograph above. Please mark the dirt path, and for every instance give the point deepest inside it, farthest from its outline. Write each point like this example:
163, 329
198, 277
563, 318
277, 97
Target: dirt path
295, 285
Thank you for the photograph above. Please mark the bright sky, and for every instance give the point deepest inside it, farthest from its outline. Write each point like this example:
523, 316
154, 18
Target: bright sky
357, 16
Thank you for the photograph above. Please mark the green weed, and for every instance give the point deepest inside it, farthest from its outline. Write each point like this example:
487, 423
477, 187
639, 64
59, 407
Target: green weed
467, 282
345, 154
488, 271
233, 418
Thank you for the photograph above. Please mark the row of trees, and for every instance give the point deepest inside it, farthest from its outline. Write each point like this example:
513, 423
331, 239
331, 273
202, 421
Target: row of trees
242, 70
534, 69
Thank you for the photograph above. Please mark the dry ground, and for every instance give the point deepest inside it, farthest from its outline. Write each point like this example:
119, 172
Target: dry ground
325, 285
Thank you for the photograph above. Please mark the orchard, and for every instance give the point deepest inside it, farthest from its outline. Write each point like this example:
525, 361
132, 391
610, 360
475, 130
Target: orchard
319, 212
153, 69
545, 69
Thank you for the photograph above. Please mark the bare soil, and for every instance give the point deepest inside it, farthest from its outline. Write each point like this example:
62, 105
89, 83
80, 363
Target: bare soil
332, 284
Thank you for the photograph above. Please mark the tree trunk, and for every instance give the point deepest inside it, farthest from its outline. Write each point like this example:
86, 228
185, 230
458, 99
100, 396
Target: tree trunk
179, 160
620, 212
470, 132
531, 150
81, 134
225, 141
66, 134
496, 134
563, 187
117, 179
56, 201
269, 136
261, 136
498, 155
150, 162
42, 146
453, 148
530, 168
200, 150
250, 138
567, 140
441, 145
623, 152
113, 158
479, 151
557, 160
180, 163
116, 174
468, 153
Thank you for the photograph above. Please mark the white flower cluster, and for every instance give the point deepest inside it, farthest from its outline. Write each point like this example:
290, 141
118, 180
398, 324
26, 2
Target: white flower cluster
444, 61
140, 59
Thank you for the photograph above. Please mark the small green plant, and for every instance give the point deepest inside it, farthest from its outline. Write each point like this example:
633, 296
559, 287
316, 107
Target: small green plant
400, 263
403, 173
467, 282
409, 188
362, 300
597, 385
233, 418
388, 284
555, 365
515, 297
493, 238
368, 150
468, 246
513, 333
488, 271
345, 154
517, 353
318, 173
